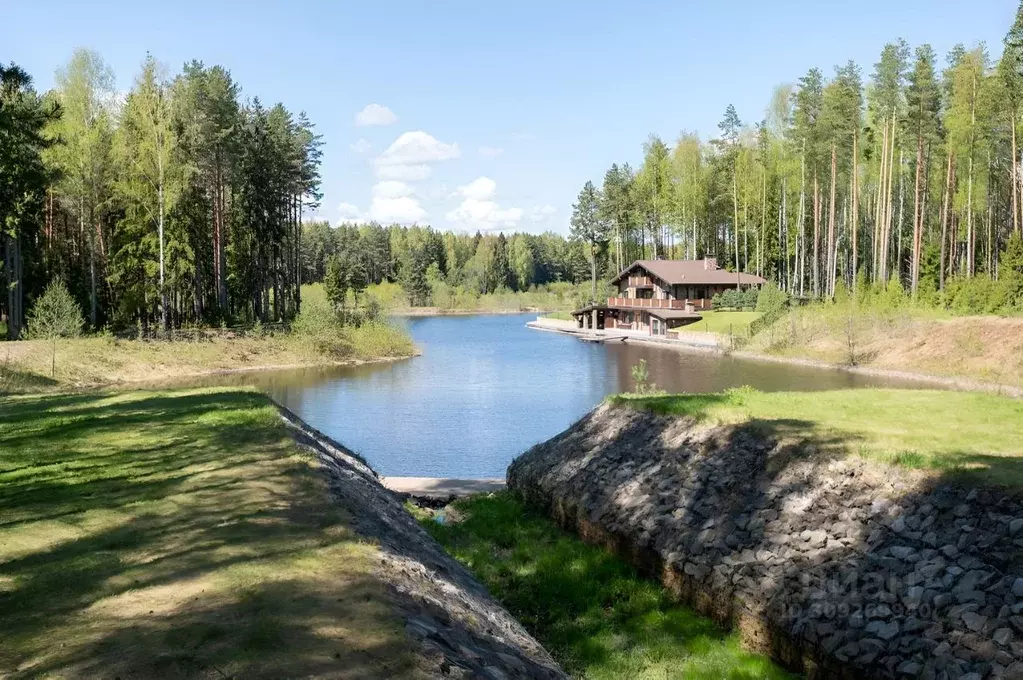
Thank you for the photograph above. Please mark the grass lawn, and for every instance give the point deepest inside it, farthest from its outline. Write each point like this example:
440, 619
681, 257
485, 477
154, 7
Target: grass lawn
590, 609
25, 366
972, 433
177, 534
562, 316
723, 322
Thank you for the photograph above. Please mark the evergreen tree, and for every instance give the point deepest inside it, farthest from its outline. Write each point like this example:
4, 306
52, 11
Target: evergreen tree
589, 228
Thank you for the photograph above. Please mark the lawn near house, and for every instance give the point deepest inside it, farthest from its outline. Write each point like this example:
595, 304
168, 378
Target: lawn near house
178, 534
596, 615
974, 434
723, 322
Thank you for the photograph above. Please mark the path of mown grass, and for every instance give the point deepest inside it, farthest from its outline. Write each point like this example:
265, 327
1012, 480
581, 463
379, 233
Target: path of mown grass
177, 534
976, 435
590, 609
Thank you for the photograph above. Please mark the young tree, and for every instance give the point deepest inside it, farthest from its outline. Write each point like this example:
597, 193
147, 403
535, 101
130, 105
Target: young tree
336, 283
590, 228
55, 315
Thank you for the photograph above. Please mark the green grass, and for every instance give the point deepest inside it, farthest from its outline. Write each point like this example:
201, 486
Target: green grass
561, 316
723, 322
177, 534
315, 339
970, 433
589, 608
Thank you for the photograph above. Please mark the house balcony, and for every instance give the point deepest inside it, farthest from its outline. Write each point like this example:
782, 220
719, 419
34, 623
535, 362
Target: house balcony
689, 305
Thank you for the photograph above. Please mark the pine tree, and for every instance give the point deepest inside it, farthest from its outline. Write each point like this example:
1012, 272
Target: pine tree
589, 228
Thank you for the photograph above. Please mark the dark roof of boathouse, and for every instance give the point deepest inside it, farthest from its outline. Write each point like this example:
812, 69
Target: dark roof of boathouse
691, 272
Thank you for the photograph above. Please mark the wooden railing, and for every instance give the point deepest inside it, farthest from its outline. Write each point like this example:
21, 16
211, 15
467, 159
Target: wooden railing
640, 281
701, 304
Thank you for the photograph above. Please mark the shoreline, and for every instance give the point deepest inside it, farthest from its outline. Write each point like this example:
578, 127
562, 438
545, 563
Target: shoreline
952, 382
437, 311
210, 373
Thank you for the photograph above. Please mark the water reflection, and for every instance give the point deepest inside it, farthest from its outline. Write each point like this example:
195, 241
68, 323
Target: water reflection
486, 388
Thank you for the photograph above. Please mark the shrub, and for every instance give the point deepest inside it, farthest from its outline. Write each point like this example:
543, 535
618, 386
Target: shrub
771, 298
641, 376
736, 299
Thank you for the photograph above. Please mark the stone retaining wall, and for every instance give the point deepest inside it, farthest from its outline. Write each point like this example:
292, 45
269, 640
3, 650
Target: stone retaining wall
834, 566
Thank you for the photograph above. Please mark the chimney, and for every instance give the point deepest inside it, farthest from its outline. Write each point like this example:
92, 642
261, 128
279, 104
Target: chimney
710, 263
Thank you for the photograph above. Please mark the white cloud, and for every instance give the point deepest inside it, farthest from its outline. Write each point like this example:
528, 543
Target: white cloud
490, 151
391, 189
402, 210
350, 213
375, 114
542, 212
480, 189
361, 146
477, 211
405, 173
393, 203
417, 148
410, 156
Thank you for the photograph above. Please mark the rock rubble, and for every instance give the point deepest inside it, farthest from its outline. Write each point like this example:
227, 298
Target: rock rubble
835, 566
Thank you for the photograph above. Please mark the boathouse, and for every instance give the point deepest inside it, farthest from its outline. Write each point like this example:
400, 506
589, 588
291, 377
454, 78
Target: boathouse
658, 296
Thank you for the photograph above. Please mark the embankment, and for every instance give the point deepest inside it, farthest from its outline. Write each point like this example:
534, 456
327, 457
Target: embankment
458, 627
834, 565
975, 349
33, 365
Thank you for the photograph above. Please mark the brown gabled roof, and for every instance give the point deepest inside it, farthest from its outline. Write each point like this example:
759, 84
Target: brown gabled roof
691, 272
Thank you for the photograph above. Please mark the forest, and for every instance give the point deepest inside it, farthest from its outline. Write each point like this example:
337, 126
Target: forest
422, 259
185, 203
178, 203
906, 176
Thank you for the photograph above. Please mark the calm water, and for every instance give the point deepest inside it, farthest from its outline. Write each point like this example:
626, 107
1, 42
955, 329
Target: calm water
486, 388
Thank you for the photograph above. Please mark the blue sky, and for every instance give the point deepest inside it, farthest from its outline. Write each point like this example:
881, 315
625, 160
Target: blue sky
500, 111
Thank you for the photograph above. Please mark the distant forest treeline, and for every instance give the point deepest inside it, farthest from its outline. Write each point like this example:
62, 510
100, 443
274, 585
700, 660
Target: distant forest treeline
418, 256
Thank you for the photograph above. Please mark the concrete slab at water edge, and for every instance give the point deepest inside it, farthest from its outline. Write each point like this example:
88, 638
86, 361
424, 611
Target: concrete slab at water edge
441, 487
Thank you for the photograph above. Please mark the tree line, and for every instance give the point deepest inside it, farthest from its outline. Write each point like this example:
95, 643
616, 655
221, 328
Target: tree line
907, 176
419, 256
177, 203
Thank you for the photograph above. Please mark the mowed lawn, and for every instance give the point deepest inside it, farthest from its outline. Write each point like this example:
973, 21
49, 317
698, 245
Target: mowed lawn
178, 534
974, 434
723, 322
596, 615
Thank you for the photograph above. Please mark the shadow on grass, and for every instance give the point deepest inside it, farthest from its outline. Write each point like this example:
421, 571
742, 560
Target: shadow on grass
595, 613
13, 381
176, 535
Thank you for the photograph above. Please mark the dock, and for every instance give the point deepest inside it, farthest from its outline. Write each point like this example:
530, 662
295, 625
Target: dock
441, 488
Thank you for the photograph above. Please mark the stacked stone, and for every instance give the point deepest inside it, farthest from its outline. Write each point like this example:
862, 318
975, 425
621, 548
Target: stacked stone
834, 565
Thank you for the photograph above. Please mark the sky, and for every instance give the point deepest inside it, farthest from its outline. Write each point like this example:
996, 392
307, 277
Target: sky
491, 115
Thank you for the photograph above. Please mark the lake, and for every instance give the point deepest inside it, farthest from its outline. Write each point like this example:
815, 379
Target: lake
487, 388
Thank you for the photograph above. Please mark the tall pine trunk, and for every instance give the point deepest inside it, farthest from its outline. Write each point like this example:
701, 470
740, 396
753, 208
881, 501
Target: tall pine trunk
855, 211
832, 241
917, 217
